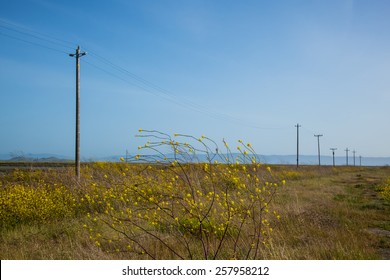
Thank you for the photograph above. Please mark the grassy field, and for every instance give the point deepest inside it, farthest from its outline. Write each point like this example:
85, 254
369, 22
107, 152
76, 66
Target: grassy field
195, 211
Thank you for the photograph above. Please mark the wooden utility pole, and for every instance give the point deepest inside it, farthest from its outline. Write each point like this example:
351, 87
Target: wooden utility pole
77, 152
298, 126
333, 149
347, 150
319, 154
354, 152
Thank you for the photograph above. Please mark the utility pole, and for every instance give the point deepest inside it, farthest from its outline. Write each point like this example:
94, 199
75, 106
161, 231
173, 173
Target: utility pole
360, 159
333, 149
318, 140
347, 150
298, 126
77, 152
354, 152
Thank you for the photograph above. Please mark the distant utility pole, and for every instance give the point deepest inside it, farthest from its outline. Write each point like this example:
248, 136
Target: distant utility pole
319, 154
77, 154
333, 149
360, 159
354, 152
298, 126
347, 150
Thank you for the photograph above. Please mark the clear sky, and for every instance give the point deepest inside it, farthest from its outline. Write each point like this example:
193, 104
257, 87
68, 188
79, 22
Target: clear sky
246, 70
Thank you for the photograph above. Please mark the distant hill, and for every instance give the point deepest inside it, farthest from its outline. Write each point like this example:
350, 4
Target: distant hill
30, 159
34, 158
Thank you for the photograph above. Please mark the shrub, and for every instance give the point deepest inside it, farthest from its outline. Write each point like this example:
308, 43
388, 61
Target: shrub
27, 204
185, 199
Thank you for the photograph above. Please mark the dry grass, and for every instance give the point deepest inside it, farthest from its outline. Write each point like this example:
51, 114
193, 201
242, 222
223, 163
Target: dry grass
325, 213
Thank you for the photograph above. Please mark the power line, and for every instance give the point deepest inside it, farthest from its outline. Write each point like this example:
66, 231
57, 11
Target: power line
32, 43
37, 35
168, 98
183, 102
149, 86
167, 95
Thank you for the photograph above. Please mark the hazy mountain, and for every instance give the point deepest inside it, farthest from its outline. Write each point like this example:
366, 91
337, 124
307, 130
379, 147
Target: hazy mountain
21, 157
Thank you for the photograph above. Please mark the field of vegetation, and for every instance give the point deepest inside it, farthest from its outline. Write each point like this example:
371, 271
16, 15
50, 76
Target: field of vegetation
174, 208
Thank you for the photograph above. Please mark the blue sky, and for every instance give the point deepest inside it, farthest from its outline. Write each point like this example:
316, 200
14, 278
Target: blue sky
246, 70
